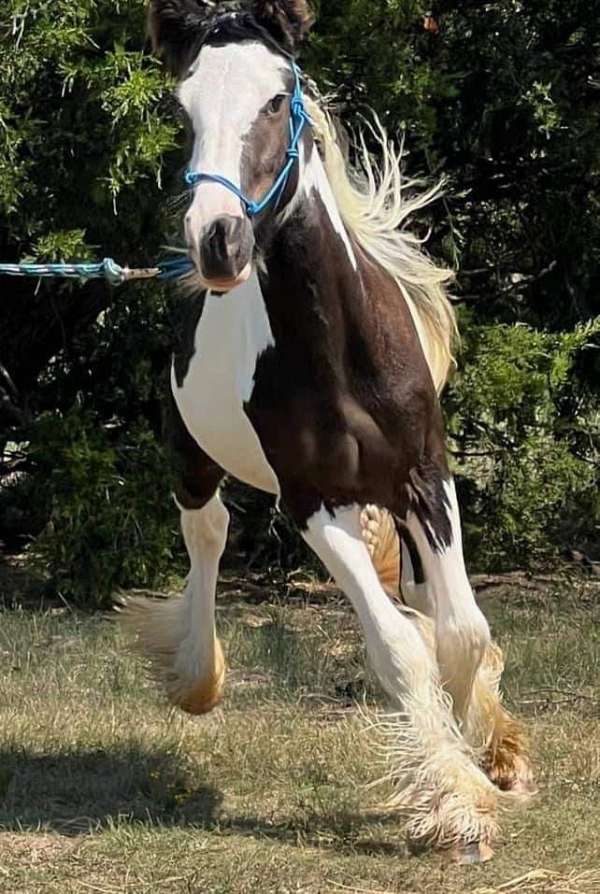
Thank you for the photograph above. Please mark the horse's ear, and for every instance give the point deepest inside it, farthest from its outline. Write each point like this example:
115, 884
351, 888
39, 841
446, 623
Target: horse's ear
289, 21
174, 27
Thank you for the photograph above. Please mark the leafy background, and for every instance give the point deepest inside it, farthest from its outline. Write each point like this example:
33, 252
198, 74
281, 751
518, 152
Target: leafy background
502, 99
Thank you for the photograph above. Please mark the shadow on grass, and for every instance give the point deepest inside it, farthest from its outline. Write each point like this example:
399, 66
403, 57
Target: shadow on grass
82, 792
20, 584
342, 831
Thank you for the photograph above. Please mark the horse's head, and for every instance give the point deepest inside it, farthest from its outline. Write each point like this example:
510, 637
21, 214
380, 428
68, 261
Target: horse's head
237, 87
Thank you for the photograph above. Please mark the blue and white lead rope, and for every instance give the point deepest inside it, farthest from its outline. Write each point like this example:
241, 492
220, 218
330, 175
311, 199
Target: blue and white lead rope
107, 269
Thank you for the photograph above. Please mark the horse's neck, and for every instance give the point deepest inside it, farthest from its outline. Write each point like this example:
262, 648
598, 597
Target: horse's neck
312, 274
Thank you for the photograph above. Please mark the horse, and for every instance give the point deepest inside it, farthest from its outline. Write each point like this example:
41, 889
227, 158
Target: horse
318, 340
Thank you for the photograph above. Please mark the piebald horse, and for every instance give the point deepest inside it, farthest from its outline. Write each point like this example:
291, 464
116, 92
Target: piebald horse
318, 340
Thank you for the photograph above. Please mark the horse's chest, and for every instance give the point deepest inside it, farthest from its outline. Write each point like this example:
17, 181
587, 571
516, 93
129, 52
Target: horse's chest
232, 333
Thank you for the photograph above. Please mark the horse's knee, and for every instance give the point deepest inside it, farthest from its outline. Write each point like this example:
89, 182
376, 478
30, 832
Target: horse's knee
476, 634
465, 632
205, 530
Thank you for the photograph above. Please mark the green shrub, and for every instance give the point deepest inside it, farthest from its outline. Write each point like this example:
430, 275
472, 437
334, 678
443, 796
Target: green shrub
525, 432
112, 522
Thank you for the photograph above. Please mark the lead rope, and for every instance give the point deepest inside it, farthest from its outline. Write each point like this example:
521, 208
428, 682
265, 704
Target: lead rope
108, 269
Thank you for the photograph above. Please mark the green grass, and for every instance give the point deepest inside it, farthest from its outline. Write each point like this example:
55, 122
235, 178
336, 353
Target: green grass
104, 788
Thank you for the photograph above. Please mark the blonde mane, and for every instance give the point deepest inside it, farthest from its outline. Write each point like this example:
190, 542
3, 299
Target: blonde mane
375, 210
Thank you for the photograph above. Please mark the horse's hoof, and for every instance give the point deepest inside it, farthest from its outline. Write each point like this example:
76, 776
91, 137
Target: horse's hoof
525, 782
202, 699
516, 778
524, 789
202, 696
473, 852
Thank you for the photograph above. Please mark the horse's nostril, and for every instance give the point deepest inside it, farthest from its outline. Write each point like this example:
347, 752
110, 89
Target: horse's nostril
226, 246
223, 235
216, 238
187, 229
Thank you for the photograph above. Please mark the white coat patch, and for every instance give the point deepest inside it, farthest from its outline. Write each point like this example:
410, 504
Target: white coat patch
314, 179
233, 332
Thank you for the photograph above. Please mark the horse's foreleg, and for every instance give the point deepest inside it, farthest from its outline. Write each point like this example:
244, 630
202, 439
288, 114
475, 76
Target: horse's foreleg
449, 800
179, 634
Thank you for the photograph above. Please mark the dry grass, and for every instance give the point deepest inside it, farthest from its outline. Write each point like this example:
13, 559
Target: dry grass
104, 789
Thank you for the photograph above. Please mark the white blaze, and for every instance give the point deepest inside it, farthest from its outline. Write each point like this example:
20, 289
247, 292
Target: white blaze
223, 98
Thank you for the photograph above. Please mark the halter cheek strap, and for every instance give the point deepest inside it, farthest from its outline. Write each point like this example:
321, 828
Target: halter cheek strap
299, 118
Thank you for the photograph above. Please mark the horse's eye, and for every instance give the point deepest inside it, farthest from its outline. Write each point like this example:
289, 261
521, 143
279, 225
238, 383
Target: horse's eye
275, 104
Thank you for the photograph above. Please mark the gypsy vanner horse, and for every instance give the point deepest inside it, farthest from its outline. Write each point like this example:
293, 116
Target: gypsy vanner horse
318, 340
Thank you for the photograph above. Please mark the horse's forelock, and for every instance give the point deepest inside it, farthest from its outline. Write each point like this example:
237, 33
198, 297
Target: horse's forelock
179, 28
288, 20
175, 28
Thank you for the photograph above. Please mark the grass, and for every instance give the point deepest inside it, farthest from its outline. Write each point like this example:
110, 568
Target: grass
104, 789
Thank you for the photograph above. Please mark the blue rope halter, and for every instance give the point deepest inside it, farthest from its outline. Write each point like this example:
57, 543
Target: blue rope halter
299, 118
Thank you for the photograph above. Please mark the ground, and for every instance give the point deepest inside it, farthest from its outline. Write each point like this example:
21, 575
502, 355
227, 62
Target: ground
104, 789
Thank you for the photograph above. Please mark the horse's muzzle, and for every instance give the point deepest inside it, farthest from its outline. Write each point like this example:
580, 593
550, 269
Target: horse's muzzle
225, 250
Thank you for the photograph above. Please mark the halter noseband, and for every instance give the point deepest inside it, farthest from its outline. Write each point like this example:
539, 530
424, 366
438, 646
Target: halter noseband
299, 118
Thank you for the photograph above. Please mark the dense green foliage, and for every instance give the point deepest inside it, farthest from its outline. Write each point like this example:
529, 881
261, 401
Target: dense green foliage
525, 431
501, 98
84, 139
